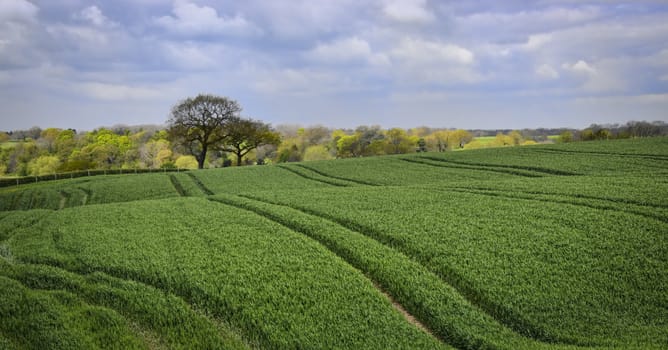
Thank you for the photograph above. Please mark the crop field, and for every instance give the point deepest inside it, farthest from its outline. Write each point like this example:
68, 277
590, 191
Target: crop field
544, 247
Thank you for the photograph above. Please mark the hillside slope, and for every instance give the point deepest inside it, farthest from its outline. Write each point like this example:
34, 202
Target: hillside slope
553, 247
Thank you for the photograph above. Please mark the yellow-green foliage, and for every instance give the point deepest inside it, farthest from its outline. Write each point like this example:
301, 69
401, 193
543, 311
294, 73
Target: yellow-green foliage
43, 165
317, 152
186, 162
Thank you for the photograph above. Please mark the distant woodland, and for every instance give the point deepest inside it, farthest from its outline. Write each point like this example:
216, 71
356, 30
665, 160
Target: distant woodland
39, 151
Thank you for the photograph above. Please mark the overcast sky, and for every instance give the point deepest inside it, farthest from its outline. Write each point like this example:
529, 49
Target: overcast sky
341, 63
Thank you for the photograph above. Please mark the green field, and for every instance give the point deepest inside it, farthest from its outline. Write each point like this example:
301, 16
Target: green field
543, 247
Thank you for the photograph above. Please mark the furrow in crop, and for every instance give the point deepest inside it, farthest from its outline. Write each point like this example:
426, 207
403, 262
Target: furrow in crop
440, 164
199, 184
87, 195
178, 322
617, 201
544, 200
330, 245
300, 174
606, 154
57, 319
519, 167
64, 198
177, 185
473, 303
407, 315
360, 182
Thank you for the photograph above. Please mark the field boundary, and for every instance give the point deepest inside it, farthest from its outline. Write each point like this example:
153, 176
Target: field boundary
22, 180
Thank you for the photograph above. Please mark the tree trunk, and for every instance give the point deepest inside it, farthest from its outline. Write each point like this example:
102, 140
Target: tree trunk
202, 157
239, 156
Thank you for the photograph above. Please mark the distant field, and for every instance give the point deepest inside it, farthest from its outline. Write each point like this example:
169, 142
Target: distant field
543, 247
8, 144
485, 139
489, 139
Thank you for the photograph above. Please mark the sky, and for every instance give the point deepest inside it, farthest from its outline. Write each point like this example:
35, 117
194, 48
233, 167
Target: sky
483, 64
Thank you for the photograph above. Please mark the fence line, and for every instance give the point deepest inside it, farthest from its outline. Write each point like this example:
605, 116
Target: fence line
71, 175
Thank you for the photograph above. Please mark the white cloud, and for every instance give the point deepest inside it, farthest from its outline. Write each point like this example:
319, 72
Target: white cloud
79, 35
18, 27
191, 56
408, 11
537, 41
298, 82
115, 92
416, 62
546, 71
646, 99
190, 19
580, 67
347, 50
306, 19
530, 20
420, 51
17, 10
94, 15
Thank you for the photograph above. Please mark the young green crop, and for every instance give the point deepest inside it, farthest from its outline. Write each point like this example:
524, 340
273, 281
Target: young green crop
558, 271
83, 191
58, 320
549, 246
277, 287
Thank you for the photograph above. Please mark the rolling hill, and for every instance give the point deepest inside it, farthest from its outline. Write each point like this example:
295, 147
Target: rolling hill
537, 247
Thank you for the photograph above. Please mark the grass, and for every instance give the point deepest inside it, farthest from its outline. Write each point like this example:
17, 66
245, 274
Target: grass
545, 247
484, 140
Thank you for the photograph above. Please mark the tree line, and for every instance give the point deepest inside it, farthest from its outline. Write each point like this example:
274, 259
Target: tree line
209, 131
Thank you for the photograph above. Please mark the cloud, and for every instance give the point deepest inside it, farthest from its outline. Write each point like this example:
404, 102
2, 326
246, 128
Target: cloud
305, 20
190, 56
629, 100
536, 41
17, 11
298, 82
346, 50
18, 28
115, 92
580, 67
546, 71
304, 50
418, 62
519, 23
419, 51
94, 15
192, 20
408, 11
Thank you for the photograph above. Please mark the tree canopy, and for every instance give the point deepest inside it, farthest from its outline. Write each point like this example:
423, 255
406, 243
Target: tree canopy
245, 135
199, 124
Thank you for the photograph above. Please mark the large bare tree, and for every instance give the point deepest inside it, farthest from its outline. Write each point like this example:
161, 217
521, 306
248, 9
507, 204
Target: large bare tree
200, 123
